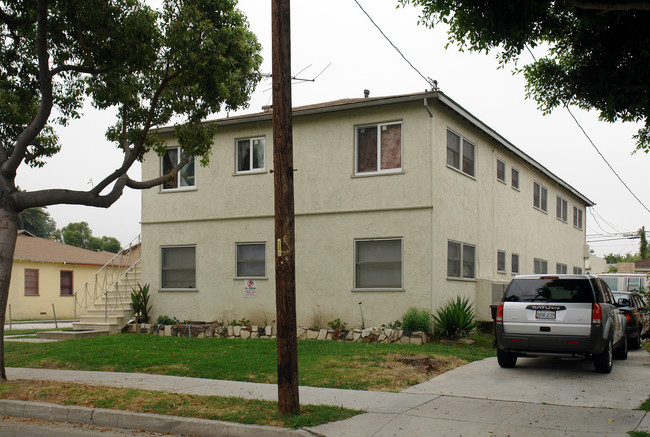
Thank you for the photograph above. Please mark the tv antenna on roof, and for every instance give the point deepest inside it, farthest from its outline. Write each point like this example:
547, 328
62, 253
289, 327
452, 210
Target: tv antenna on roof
299, 79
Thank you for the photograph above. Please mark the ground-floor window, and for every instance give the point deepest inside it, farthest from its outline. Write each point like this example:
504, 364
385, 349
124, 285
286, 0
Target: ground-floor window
514, 263
251, 259
561, 269
461, 260
178, 267
577, 270
378, 263
66, 283
31, 282
540, 266
501, 261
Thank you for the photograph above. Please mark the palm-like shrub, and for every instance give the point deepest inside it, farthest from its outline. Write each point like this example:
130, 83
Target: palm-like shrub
416, 320
140, 301
455, 319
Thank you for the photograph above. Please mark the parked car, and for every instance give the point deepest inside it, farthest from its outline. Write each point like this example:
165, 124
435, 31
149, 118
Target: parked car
632, 306
560, 315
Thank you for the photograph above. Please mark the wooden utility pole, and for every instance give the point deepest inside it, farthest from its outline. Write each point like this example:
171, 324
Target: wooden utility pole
285, 266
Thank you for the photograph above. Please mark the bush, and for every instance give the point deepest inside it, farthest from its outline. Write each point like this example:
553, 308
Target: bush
416, 320
337, 324
456, 318
140, 301
166, 320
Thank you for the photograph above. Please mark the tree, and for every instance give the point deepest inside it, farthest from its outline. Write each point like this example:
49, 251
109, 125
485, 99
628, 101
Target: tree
643, 244
37, 221
80, 235
596, 56
155, 68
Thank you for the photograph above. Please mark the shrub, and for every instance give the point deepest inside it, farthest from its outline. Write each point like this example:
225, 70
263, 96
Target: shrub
397, 324
416, 320
140, 301
456, 318
337, 324
167, 320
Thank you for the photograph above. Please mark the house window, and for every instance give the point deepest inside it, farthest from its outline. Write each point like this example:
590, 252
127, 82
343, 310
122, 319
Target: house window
185, 177
251, 259
458, 147
31, 282
66, 283
561, 210
540, 194
561, 269
461, 260
515, 263
540, 266
379, 148
501, 171
514, 178
501, 261
577, 270
250, 155
178, 267
378, 263
577, 217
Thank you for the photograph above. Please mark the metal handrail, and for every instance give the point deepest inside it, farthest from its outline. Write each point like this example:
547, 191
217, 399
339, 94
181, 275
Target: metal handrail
105, 280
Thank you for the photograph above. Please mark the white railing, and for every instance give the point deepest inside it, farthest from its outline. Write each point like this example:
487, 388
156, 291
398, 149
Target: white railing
122, 267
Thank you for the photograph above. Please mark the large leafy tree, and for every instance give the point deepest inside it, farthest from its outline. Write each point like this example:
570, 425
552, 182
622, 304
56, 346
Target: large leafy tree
177, 66
597, 53
80, 235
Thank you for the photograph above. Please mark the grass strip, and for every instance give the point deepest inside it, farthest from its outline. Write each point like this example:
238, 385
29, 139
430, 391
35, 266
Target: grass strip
172, 404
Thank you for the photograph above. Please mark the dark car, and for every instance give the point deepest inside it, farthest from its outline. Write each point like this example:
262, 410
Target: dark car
560, 315
632, 306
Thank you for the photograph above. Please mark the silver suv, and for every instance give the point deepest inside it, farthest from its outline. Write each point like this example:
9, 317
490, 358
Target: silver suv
558, 315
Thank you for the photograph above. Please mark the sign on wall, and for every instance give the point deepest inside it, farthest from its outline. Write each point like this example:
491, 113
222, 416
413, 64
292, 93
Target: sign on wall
250, 288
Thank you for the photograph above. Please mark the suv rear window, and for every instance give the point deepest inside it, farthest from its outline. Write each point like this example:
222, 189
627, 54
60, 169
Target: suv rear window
549, 290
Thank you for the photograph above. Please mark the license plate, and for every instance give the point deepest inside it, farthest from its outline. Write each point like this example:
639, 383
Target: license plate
546, 315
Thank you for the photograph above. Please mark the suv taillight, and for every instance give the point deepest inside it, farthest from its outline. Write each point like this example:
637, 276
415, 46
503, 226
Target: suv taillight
500, 312
596, 314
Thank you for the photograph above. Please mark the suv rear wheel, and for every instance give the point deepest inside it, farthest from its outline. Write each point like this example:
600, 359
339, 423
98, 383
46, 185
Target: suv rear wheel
603, 362
620, 353
506, 359
635, 342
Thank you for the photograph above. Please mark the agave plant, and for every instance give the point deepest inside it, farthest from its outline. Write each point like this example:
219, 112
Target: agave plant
456, 318
140, 301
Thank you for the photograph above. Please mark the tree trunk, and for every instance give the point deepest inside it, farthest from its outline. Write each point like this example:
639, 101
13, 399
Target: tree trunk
8, 235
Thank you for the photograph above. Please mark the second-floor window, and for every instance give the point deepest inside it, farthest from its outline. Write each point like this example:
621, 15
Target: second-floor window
561, 213
250, 155
540, 194
185, 177
460, 153
577, 217
378, 148
515, 178
501, 170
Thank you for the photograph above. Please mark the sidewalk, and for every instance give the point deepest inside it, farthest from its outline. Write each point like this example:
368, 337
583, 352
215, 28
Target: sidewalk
540, 397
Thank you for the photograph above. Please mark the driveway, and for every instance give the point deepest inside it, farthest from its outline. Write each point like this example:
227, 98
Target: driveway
539, 397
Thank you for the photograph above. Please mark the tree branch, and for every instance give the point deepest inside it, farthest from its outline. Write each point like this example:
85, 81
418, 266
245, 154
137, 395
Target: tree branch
159, 180
81, 69
610, 6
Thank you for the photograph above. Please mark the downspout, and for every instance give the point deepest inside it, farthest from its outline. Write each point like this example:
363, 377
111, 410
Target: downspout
426, 105
431, 163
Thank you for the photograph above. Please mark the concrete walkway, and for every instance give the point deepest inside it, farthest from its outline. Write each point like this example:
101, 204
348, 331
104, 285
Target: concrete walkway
540, 397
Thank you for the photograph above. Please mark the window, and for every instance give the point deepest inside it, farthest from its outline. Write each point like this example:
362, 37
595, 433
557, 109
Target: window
185, 177
379, 148
577, 270
66, 283
251, 259
501, 170
514, 178
540, 194
561, 209
378, 263
178, 267
540, 266
515, 263
461, 260
458, 147
561, 269
577, 217
501, 261
31, 282
250, 155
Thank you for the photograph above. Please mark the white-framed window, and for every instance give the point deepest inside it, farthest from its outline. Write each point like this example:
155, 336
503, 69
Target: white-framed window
561, 209
501, 261
514, 178
540, 266
251, 260
250, 155
461, 260
378, 263
577, 270
577, 217
460, 153
178, 267
561, 269
378, 148
185, 178
501, 170
514, 263
540, 195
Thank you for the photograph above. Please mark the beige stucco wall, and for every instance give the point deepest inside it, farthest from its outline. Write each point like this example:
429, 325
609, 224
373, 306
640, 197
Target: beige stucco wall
426, 204
40, 307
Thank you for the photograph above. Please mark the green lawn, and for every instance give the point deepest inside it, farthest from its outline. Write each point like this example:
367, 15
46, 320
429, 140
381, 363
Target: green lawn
360, 366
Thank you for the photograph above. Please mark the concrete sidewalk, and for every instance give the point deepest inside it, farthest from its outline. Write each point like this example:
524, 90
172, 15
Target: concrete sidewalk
540, 397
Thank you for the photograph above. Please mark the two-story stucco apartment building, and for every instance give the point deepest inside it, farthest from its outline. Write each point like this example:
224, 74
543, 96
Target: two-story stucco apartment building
400, 201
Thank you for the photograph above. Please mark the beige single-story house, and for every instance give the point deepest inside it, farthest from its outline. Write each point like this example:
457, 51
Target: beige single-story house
400, 201
45, 275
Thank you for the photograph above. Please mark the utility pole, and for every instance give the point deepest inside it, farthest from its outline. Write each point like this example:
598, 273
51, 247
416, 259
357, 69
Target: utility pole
285, 266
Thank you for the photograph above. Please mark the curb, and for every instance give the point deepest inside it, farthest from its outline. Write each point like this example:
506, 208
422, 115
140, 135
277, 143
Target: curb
141, 421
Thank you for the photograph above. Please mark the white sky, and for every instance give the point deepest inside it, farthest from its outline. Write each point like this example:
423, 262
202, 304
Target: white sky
337, 32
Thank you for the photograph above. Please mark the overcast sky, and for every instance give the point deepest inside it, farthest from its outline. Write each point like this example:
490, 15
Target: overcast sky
337, 33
